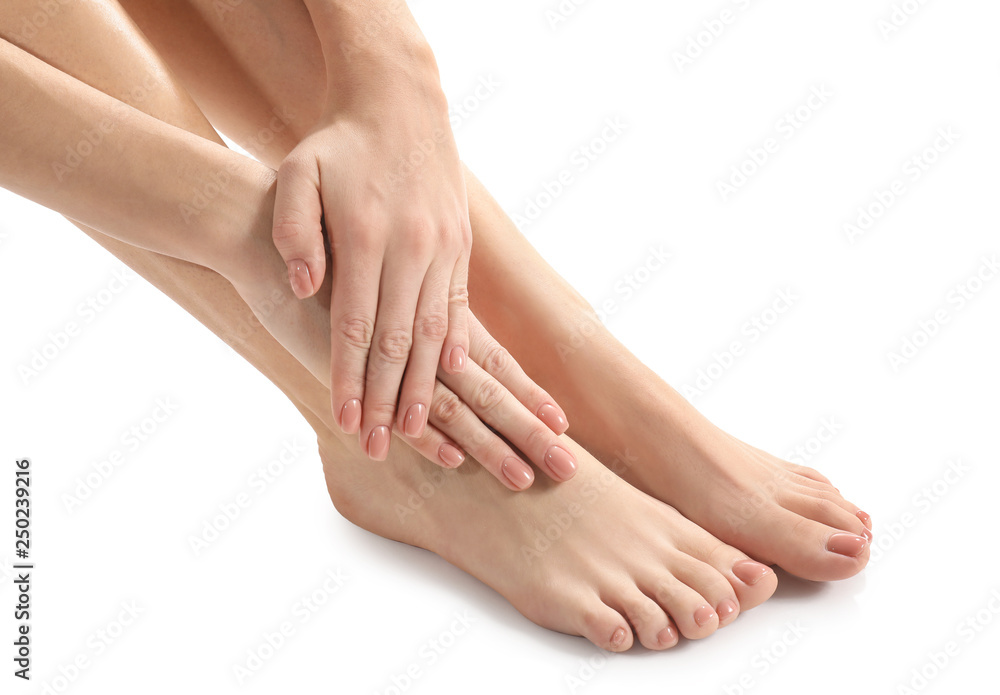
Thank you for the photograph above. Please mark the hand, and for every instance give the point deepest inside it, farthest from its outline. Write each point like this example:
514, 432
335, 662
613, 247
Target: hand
494, 397
383, 171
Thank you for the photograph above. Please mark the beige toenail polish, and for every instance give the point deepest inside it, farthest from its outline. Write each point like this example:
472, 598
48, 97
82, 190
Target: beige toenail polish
618, 639
750, 572
667, 636
846, 544
865, 519
704, 615
726, 609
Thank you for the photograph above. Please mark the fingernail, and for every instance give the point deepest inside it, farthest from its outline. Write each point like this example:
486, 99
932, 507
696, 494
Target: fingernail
560, 462
667, 636
350, 416
869, 536
299, 278
865, 519
750, 572
416, 418
450, 455
457, 360
517, 472
618, 639
726, 609
378, 443
704, 615
553, 418
846, 544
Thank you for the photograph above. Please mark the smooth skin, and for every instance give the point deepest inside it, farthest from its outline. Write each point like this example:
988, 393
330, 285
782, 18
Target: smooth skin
607, 593
399, 231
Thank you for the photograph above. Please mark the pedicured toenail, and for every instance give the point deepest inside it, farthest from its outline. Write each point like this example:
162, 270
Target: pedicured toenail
560, 462
750, 572
618, 639
703, 616
667, 636
726, 609
846, 544
865, 519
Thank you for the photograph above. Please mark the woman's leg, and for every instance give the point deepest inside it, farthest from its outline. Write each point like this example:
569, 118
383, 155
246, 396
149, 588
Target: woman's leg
592, 556
263, 93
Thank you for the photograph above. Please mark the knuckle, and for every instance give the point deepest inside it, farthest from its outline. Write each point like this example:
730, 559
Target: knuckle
497, 360
447, 409
488, 395
393, 345
537, 439
458, 295
356, 331
432, 326
380, 411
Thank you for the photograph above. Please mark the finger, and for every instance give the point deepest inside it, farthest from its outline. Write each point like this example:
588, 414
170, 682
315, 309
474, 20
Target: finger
454, 418
389, 354
352, 323
433, 445
456, 344
297, 232
498, 408
499, 363
429, 329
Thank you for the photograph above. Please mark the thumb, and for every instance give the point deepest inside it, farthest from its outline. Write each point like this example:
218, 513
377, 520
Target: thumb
297, 232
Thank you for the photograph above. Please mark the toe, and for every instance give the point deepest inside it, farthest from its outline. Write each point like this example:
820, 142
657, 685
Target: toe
603, 625
816, 551
752, 581
827, 511
691, 612
707, 581
652, 626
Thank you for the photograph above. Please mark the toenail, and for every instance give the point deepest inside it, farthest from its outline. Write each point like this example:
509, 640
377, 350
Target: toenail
750, 572
865, 519
667, 636
517, 472
553, 418
704, 615
846, 544
560, 462
618, 639
726, 609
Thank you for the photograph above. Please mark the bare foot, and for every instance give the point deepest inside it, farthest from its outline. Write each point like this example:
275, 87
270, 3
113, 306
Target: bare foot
777, 512
591, 556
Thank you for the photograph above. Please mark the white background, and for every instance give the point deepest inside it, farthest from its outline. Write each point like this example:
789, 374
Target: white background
935, 562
